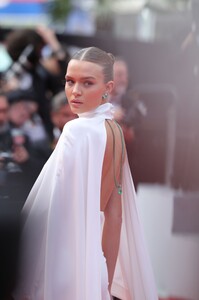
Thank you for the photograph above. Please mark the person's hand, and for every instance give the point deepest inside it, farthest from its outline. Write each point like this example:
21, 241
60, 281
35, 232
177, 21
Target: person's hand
50, 38
109, 289
20, 154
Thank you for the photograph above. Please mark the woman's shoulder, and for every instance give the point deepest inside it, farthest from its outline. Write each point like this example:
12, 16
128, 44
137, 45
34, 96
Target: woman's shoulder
79, 126
83, 132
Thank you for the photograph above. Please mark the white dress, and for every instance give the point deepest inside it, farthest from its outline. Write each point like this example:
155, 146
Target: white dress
61, 239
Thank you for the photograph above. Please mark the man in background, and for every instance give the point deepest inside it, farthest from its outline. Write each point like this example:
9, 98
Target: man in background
60, 114
129, 109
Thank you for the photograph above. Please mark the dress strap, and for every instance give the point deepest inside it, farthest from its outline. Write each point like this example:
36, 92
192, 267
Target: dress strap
118, 185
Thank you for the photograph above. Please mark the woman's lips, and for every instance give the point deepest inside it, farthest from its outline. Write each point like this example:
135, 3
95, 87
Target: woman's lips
76, 102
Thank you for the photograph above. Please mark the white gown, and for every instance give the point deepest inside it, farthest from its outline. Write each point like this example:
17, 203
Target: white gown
61, 239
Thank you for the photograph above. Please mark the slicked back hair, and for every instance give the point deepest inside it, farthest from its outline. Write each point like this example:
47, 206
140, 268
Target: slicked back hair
97, 56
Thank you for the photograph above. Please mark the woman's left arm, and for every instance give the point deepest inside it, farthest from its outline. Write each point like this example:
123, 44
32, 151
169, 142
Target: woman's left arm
111, 233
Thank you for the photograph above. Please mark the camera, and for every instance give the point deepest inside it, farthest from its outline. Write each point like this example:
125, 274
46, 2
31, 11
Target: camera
7, 164
5, 156
23, 62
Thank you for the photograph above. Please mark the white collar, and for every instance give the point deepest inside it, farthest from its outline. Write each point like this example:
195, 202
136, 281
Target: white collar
106, 110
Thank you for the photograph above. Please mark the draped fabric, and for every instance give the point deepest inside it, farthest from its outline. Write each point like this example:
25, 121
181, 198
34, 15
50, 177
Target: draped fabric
61, 241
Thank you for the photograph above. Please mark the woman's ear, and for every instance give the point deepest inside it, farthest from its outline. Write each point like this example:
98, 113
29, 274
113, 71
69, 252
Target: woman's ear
109, 86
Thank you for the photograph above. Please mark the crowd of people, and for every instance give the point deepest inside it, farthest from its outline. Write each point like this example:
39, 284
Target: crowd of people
33, 111
33, 108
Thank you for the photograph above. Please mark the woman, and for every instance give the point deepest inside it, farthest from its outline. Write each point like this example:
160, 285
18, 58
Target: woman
82, 206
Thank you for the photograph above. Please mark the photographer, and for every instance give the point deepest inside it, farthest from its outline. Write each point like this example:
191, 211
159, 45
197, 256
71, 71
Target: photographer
60, 114
5, 146
129, 110
20, 161
28, 73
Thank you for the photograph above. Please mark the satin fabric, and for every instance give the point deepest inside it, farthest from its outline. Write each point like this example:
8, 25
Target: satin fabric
61, 241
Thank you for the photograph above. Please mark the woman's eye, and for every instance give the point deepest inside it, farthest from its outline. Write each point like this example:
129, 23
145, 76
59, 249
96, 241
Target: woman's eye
87, 83
69, 82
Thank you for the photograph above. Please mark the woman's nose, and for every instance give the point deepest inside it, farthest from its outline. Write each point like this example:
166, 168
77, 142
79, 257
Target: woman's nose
76, 90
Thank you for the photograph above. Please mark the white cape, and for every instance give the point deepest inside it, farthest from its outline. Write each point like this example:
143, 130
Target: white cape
61, 255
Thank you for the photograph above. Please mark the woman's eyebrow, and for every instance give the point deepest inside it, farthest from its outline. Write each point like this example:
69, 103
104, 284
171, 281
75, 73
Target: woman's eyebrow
81, 78
88, 77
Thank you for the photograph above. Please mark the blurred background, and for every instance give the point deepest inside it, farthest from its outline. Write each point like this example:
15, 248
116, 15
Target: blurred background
156, 44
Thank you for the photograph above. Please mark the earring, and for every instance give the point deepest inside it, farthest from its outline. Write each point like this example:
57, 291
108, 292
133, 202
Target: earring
105, 96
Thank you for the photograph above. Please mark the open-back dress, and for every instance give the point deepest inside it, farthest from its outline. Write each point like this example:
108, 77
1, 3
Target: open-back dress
61, 256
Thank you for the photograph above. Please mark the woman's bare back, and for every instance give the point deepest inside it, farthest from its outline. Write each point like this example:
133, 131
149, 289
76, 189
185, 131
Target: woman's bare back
111, 203
111, 164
